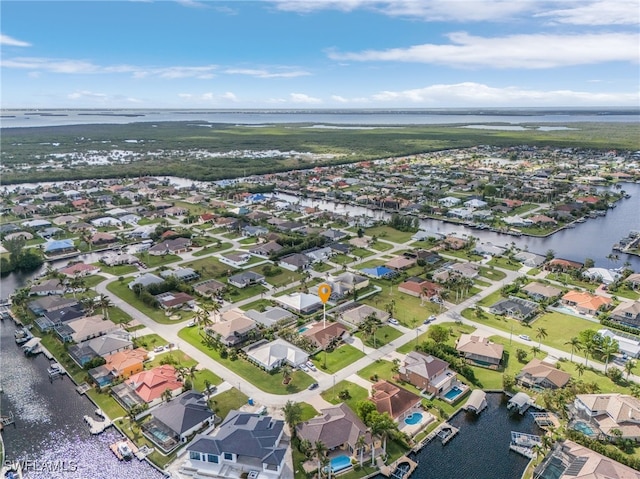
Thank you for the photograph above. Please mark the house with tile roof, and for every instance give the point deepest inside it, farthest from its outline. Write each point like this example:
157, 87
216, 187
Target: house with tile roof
585, 302
427, 373
480, 351
242, 444
322, 335
627, 313
610, 412
538, 374
148, 386
394, 400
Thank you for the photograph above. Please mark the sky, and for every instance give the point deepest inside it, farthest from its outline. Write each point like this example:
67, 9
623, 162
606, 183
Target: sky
308, 54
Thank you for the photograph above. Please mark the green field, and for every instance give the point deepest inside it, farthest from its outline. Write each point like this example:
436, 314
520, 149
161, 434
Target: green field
356, 393
337, 359
389, 234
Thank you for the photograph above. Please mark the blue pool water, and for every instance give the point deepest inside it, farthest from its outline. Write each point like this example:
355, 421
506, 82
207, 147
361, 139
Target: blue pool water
584, 428
339, 463
302, 329
414, 418
453, 393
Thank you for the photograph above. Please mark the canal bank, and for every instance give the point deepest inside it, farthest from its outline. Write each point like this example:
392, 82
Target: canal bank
49, 429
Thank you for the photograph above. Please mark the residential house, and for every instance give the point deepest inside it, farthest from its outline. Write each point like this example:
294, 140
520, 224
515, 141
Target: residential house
100, 238
105, 222
271, 316
175, 300
626, 342
633, 280
48, 287
295, 262
420, 288
101, 346
601, 275
537, 374
319, 255
209, 288
585, 302
173, 422
562, 265
611, 412
253, 231
333, 235
480, 351
170, 246
356, 313
145, 280
58, 247
400, 263
116, 259
265, 249
323, 334
245, 278
233, 329
428, 373
627, 313
394, 400
530, 260
84, 328
52, 319
514, 307
272, 355
181, 274
80, 270
541, 292
243, 444
379, 272
338, 428
120, 364
235, 260
301, 303
148, 386
48, 304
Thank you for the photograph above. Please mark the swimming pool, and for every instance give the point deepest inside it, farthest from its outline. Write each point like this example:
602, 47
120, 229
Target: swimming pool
453, 393
584, 428
339, 463
413, 418
302, 329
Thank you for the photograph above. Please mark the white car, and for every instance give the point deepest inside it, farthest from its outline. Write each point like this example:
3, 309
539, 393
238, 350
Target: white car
191, 323
304, 368
311, 366
158, 349
393, 321
525, 337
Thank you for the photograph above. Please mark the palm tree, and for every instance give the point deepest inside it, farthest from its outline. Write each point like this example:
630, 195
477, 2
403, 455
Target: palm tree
207, 388
541, 333
575, 345
292, 415
580, 368
214, 308
628, 367
319, 450
608, 348
535, 350
383, 427
76, 283
105, 303
286, 371
166, 395
361, 442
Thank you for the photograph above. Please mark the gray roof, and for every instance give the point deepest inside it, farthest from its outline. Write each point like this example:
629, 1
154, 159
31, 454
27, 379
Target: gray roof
269, 316
145, 280
336, 426
244, 434
109, 343
184, 412
426, 366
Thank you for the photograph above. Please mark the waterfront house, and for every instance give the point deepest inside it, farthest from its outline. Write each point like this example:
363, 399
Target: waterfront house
514, 307
541, 292
126, 362
52, 319
562, 265
322, 336
272, 355
234, 330
570, 460
519, 402
530, 260
170, 246
633, 280
477, 401
537, 374
394, 400
300, 303
243, 444
82, 329
171, 423
480, 351
428, 373
611, 412
116, 259
48, 287
80, 270
245, 278
58, 247
601, 275
585, 302
48, 304
338, 428
627, 313
148, 386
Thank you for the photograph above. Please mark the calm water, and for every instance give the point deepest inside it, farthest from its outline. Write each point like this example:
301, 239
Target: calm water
592, 239
481, 449
30, 118
49, 426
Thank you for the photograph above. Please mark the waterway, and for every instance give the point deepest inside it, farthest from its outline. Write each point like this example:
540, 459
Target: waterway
591, 239
481, 449
49, 429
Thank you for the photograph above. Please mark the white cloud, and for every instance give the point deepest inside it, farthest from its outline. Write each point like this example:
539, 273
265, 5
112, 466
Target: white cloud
259, 73
208, 97
528, 51
12, 42
477, 94
229, 96
192, 4
429, 10
84, 94
344, 100
600, 12
302, 98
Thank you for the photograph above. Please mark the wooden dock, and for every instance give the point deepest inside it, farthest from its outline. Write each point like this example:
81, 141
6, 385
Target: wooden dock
97, 427
392, 469
6, 421
132, 446
83, 388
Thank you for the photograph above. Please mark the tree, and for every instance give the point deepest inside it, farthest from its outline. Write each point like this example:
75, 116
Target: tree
575, 345
207, 388
588, 263
361, 442
580, 368
364, 410
292, 415
382, 427
286, 371
541, 333
166, 395
438, 333
628, 367
521, 354
608, 347
535, 350
550, 254
319, 450
105, 303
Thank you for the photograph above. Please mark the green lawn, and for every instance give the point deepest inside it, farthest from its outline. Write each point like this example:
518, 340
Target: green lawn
153, 261
384, 335
134, 433
491, 273
118, 316
383, 369
372, 263
107, 403
203, 375
177, 358
457, 330
228, 400
238, 294
533, 272
281, 279
93, 280
120, 289
211, 268
389, 234
479, 282
308, 411
626, 292
361, 252
149, 341
505, 263
322, 267
568, 279
461, 254
258, 305
491, 299
214, 248
268, 382
356, 393
381, 246
341, 259
337, 359
409, 310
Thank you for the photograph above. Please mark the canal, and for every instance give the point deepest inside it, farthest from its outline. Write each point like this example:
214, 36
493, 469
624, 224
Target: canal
49, 430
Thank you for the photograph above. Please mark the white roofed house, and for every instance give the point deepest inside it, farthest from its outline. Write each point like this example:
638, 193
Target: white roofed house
272, 355
301, 303
602, 275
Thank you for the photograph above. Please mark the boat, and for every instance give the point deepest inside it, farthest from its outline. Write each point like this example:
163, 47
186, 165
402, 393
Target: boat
125, 451
22, 335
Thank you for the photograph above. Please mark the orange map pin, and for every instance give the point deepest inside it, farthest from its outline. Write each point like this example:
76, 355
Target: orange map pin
324, 292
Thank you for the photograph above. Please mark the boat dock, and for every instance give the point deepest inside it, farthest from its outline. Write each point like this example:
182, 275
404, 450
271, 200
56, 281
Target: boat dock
546, 419
447, 432
401, 468
114, 448
6, 421
83, 388
56, 371
97, 427
524, 444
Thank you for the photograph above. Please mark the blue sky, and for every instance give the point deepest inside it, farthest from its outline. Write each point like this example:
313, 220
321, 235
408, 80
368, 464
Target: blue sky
320, 53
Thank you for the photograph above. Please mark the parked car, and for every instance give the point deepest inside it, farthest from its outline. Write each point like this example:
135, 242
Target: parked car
303, 367
313, 386
525, 337
393, 321
191, 323
311, 366
430, 319
158, 349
